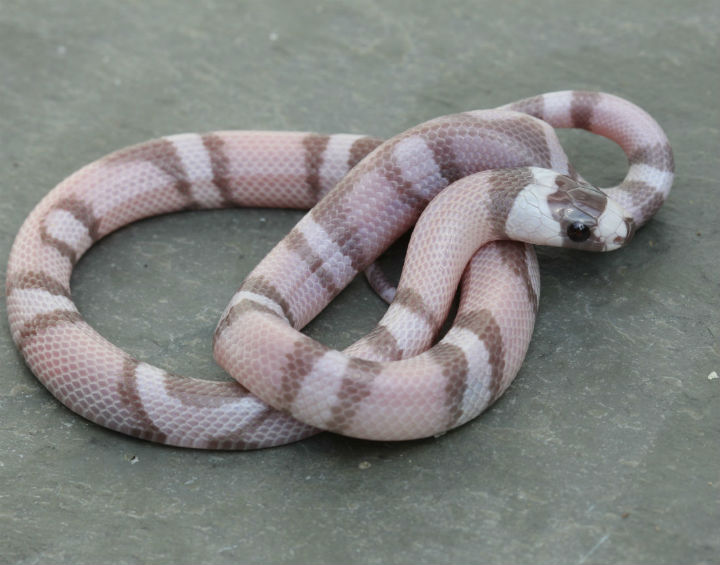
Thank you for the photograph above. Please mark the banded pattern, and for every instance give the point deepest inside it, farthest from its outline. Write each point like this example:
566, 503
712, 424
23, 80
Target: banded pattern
390, 384
650, 158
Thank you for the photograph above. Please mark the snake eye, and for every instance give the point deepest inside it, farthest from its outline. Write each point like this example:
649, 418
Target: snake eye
577, 231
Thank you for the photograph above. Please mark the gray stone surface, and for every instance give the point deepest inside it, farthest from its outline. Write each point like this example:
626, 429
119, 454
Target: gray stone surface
604, 450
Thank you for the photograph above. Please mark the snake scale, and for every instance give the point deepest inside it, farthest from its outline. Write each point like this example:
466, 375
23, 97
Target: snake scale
483, 178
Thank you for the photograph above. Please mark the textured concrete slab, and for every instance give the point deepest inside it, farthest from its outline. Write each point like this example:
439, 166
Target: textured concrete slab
604, 450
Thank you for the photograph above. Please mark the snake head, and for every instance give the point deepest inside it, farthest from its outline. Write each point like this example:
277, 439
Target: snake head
557, 210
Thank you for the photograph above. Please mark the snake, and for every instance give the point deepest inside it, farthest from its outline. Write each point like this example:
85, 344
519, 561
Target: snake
479, 187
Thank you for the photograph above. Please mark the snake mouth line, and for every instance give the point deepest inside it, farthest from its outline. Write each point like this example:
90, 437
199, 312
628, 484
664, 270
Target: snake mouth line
630, 226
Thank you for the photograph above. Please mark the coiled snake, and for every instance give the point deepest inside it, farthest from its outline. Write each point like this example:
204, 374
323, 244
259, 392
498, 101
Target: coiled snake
505, 177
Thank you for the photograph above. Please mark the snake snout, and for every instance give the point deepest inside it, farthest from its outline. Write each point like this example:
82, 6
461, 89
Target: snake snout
630, 233
615, 227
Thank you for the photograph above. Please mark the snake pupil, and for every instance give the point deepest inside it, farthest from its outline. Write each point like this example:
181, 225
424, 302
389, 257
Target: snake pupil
577, 231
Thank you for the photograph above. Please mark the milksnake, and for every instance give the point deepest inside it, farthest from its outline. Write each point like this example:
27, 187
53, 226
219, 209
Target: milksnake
504, 175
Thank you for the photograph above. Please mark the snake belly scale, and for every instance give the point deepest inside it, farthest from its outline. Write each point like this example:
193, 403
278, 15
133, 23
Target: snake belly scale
502, 172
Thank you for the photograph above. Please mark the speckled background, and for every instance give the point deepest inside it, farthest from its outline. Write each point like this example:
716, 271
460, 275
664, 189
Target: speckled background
604, 450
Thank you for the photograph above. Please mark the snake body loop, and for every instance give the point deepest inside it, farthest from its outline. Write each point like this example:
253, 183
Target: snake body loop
483, 178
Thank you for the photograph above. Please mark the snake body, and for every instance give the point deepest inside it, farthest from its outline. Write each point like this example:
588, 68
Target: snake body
503, 175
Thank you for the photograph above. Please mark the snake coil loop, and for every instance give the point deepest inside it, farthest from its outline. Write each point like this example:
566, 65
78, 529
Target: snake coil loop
483, 178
